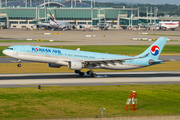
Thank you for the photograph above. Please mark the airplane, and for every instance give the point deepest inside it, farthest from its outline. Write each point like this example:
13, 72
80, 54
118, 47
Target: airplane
54, 24
57, 24
169, 25
77, 59
104, 26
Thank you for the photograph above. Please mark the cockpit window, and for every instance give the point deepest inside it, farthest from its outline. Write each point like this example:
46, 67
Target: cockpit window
10, 48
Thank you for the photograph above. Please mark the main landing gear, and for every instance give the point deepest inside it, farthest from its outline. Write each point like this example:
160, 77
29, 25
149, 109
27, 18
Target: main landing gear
91, 73
19, 63
88, 72
79, 72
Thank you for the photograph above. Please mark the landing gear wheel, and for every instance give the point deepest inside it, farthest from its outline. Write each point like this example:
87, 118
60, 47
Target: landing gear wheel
19, 65
81, 74
93, 75
77, 71
89, 72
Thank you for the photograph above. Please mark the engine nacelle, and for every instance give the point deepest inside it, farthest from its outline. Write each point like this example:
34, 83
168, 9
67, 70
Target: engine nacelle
53, 65
75, 65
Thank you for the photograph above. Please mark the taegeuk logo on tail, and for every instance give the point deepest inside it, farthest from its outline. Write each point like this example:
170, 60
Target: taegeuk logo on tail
155, 50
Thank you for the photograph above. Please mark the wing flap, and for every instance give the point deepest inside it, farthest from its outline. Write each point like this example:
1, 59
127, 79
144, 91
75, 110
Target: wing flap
105, 62
108, 61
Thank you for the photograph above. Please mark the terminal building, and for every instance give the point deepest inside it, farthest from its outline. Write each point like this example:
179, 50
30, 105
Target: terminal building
26, 14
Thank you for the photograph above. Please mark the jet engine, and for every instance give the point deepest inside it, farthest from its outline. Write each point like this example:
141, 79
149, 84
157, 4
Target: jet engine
75, 65
53, 65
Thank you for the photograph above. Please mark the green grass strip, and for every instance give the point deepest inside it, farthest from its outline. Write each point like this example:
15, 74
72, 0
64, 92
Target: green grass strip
85, 101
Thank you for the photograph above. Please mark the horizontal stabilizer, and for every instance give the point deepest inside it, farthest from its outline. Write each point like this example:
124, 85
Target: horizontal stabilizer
151, 62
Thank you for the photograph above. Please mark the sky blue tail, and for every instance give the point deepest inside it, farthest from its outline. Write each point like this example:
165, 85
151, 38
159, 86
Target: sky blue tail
155, 49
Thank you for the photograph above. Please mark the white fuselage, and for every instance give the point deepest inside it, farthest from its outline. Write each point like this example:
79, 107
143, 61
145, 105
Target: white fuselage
169, 25
59, 24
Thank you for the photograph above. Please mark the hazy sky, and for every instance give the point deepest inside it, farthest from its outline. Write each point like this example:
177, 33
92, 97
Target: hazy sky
144, 1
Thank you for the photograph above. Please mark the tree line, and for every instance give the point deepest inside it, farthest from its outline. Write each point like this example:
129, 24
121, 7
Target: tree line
163, 9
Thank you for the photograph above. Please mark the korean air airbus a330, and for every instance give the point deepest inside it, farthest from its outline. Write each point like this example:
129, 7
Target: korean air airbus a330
76, 59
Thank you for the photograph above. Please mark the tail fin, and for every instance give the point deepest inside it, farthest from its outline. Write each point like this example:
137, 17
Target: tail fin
179, 22
52, 18
155, 49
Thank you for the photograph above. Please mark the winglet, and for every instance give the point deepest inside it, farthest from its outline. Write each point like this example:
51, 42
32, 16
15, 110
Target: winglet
78, 49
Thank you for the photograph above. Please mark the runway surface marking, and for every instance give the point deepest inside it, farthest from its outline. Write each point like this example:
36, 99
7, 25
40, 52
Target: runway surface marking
172, 60
13, 61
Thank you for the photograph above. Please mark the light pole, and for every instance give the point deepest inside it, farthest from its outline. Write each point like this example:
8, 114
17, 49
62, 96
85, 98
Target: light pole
45, 13
102, 110
91, 15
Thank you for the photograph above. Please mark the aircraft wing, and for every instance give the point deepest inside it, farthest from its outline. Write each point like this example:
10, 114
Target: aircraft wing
44, 24
105, 61
63, 25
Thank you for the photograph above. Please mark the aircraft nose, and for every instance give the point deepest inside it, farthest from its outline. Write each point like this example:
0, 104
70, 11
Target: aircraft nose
4, 52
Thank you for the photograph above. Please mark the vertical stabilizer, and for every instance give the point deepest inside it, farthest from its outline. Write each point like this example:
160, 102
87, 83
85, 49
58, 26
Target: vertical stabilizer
179, 22
155, 49
52, 18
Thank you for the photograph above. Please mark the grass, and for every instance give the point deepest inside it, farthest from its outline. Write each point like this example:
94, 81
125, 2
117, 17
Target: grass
85, 101
1, 49
43, 68
118, 49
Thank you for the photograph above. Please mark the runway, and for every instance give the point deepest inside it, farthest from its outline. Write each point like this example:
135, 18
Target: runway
103, 78
164, 58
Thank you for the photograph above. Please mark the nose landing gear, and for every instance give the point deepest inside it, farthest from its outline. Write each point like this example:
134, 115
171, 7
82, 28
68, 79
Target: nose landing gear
19, 65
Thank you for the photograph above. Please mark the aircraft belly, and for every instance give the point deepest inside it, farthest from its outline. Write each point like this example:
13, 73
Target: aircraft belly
123, 66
